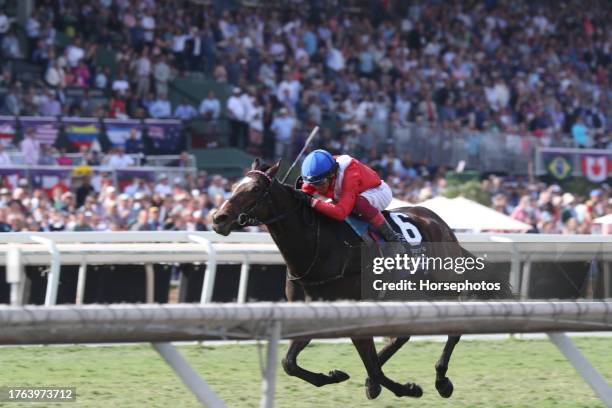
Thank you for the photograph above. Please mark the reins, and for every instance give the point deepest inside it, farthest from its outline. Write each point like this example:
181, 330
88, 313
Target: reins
245, 218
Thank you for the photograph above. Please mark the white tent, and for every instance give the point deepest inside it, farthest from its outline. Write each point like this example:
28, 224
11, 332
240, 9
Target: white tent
606, 225
606, 220
467, 215
395, 203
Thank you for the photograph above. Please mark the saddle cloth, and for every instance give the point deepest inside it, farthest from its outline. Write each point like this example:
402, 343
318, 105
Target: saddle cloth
400, 222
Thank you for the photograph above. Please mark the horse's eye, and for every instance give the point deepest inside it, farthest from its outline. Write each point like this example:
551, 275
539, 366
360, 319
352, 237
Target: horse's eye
256, 189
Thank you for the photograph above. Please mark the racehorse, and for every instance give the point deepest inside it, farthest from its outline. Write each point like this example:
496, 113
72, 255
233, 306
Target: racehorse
322, 264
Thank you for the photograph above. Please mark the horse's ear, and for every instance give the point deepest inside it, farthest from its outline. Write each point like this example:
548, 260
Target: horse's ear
274, 169
256, 164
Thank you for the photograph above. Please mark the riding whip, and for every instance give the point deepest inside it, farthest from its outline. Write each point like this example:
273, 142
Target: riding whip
310, 137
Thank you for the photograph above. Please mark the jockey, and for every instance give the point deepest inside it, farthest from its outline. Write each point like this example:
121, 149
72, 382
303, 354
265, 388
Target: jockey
353, 187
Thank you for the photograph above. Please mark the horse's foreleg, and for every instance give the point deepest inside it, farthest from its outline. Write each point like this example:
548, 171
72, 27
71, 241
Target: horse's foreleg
292, 368
373, 389
443, 384
367, 352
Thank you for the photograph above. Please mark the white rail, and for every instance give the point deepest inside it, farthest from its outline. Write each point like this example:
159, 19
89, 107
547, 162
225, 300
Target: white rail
163, 323
87, 248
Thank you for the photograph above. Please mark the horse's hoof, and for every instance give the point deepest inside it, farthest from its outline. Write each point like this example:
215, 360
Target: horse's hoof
372, 389
337, 376
412, 390
445, 387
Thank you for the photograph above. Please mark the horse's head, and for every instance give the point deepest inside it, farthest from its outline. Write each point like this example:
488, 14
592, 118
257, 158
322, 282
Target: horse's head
248, 199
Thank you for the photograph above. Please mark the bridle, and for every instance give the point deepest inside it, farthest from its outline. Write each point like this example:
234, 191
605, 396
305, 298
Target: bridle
246, 218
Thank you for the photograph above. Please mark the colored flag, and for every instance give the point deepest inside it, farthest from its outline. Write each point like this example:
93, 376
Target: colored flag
118, 131
596, 168
165, 135
82, 135
8, 127
45, 129
558, 165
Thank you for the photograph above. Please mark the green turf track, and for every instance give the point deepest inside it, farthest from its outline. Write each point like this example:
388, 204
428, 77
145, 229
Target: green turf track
500, 373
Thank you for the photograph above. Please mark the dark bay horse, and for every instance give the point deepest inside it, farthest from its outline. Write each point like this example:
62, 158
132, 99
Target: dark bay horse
324, 264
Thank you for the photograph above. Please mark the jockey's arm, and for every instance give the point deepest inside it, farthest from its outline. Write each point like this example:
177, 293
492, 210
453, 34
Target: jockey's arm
340, 210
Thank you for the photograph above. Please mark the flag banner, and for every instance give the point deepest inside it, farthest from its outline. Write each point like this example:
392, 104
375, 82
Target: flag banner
8, 126
118, 131
48, 179
123, 174
46, 128
165, 135
8, 171
596, 168
558, 165
82, 131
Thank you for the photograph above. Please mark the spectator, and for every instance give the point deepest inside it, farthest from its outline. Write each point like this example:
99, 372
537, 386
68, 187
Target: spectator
283, 127
121, 84
10, 45
46, 156
138, 186
143, 72
63, 159
182, 161
54, 76
236, 114
118, 159
50, 106
141, 223
5, 159
134, 144
12, 102
162, 74
160, 108
579, 133
84, 190
185, 111
30, 148
117, 107
216, 187
83, 222
74, 53
162, 187
210, 108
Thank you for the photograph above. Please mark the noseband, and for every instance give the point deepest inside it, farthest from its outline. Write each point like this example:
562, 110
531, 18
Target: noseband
246, 218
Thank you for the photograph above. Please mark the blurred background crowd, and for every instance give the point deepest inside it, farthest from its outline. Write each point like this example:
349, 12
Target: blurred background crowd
538, 70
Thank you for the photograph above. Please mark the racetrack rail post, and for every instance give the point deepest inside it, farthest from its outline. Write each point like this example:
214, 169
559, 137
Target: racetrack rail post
268, 384
55, 269
188, 375
589, 373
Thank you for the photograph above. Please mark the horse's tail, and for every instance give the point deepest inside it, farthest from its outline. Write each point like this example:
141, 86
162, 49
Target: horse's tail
493, 275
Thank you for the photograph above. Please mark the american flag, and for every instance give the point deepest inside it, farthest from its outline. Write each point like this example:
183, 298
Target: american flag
45, 131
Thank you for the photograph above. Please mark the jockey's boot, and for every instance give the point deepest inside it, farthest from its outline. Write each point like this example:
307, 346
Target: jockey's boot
387, 232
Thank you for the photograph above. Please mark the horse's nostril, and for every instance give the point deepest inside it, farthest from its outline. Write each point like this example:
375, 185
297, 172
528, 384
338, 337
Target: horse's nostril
219, 219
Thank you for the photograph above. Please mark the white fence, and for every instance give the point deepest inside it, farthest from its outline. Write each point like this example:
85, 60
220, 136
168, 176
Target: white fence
163, 323
87, 248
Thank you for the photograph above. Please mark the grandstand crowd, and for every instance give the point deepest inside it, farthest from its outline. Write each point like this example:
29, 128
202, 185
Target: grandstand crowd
529, 68
95, 203
533, 69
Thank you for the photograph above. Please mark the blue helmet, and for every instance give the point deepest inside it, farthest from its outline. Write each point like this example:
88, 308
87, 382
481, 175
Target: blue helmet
317, 166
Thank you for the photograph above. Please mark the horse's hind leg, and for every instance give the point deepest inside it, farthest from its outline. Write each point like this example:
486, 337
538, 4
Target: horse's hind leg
443, 384
367, 352
291, 367
373, 389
